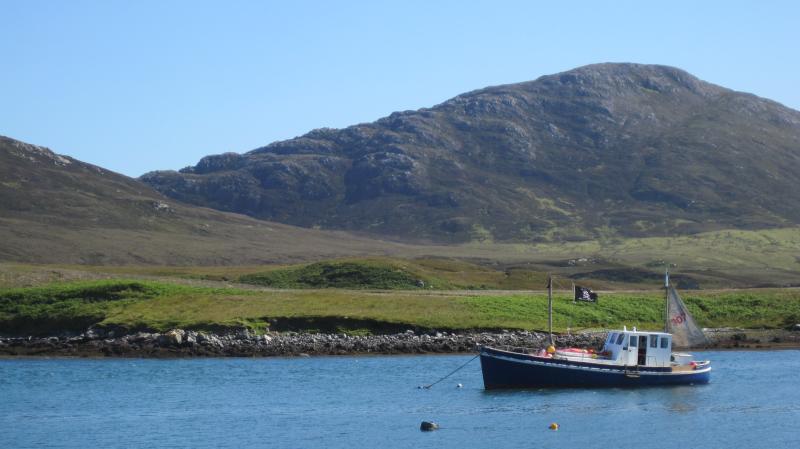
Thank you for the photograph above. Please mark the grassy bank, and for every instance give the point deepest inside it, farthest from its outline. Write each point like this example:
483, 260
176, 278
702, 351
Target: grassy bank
160, 306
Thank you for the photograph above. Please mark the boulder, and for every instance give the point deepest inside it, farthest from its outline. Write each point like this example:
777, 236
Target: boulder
171, 338
191, 338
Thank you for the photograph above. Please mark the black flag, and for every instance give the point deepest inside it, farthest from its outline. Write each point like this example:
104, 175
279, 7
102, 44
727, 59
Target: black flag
585, 294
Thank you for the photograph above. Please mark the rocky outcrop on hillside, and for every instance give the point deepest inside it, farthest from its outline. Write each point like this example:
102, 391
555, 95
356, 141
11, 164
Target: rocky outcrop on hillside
599, 151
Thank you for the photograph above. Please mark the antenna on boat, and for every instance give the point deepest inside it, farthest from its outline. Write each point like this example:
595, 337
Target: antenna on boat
666, 298
550, 306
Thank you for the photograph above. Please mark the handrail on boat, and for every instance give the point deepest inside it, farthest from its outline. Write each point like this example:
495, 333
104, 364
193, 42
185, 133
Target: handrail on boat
515, 349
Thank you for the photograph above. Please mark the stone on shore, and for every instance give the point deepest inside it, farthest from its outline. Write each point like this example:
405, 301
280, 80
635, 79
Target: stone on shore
178, 342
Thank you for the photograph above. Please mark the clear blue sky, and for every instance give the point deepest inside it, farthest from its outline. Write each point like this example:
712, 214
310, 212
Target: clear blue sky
136, 86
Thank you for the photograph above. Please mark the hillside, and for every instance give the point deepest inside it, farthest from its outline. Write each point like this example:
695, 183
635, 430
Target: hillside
607, 150
56, 209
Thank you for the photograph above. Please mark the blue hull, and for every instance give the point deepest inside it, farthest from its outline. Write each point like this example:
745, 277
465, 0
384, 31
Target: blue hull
503, 369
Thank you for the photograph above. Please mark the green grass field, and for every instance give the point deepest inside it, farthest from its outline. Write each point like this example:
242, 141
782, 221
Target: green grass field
352, 273
136, 304
713, 260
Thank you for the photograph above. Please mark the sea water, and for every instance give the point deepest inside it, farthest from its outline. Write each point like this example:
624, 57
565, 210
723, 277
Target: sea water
753, 401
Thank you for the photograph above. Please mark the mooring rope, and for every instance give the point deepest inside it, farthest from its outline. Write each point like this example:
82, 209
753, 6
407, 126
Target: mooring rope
451, 373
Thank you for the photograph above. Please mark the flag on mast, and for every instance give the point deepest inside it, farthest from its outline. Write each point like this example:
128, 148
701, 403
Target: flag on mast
585, 294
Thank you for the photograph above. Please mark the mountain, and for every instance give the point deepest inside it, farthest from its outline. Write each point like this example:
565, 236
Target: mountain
56, 209
600, 151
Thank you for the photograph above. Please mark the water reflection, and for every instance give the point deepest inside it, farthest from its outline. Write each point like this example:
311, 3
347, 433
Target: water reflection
682, 399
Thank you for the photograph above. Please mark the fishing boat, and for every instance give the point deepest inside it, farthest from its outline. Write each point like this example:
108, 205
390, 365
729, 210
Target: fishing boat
628, 358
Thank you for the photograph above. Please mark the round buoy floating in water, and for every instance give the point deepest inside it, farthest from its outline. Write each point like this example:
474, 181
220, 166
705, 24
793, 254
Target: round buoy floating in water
427, 426
459, 386
553, 426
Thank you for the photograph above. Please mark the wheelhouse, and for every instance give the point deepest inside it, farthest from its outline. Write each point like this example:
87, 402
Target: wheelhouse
632, 347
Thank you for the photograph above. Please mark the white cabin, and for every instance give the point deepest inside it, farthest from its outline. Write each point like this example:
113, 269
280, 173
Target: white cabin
632, 347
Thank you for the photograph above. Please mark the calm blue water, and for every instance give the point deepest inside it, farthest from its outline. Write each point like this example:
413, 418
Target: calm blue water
372, 402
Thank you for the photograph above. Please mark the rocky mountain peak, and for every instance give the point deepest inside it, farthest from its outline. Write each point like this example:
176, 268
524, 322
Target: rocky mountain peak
604, 149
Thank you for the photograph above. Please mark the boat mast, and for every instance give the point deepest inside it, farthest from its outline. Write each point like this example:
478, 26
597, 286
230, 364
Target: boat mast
666, 299
550, 306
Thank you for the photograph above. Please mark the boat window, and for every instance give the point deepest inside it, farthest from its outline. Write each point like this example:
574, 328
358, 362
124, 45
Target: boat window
611, 337
634, 341
620, 338
664, 342
654, 341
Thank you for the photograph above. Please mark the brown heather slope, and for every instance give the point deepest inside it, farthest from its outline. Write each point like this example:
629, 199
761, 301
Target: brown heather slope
56, 209
606, 150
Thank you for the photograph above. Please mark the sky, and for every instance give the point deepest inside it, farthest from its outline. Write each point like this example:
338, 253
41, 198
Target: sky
136, 86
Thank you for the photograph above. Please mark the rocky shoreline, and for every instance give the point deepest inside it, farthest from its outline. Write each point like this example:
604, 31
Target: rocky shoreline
242, 343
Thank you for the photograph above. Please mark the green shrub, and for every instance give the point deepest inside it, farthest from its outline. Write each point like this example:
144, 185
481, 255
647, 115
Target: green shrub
356, 275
